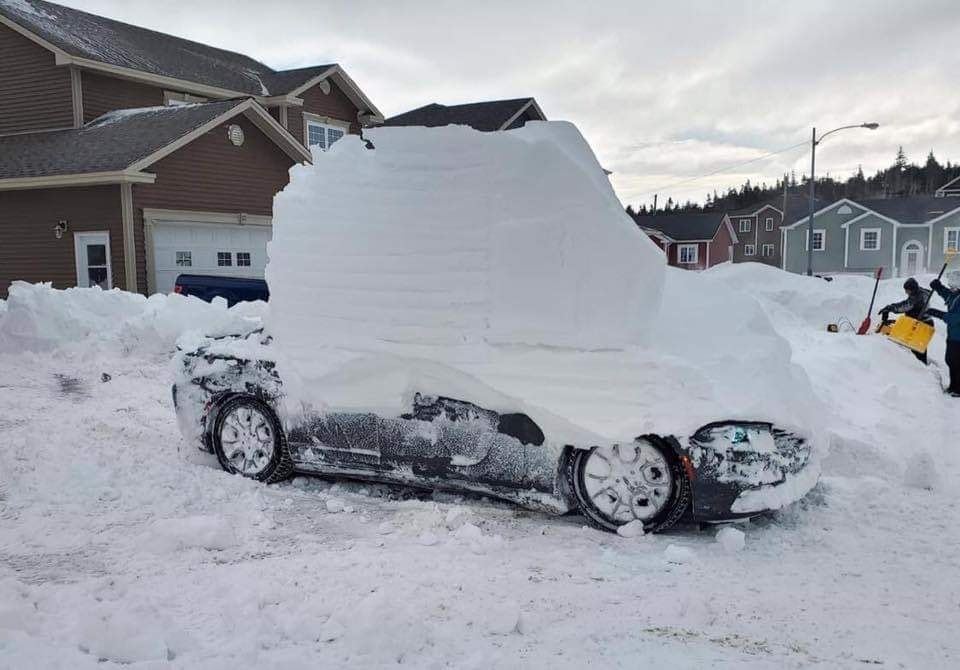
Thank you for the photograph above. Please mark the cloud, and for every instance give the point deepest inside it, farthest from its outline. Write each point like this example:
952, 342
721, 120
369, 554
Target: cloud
664, 91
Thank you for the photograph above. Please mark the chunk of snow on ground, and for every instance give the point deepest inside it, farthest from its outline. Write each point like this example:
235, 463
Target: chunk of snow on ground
921, 472
427, 539
631, 529
676, 553
468, 533
335, 505
731, 539
214, 533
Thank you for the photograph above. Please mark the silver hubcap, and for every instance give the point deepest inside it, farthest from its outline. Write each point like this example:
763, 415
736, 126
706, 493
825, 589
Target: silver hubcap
628, 482
247, 440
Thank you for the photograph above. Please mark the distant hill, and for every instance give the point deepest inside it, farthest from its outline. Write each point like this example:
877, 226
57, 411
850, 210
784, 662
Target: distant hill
901, 178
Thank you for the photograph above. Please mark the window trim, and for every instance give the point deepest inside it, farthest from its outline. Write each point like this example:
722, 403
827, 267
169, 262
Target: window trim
749, 249
768, 224
189, 257
766, 246
863, 235
249, 258
745, 225
325, 121
946, 238
696, 254
229, 255
823, 239
79, 247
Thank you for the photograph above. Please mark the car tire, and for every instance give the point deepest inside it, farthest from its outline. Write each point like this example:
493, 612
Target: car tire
664, 463
247, 438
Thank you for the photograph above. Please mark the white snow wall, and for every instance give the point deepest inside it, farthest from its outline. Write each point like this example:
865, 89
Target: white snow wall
450, 237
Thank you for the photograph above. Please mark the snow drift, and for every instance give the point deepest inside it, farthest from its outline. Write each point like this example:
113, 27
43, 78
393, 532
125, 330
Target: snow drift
450, 237
36, 317
508, 257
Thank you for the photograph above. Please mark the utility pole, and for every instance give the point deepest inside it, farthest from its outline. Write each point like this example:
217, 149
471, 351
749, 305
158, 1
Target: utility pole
654, 204
812, 206
813, 180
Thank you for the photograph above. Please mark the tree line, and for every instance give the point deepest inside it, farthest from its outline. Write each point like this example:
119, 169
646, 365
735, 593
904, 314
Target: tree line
902, 178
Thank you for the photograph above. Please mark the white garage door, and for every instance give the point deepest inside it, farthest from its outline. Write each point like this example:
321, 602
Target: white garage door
185, 247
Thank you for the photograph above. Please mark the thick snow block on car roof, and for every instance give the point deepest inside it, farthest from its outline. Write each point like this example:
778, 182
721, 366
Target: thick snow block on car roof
448, 237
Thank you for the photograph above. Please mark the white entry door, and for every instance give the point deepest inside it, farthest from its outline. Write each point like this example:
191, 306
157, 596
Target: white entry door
189, 247
92, 251
911, 261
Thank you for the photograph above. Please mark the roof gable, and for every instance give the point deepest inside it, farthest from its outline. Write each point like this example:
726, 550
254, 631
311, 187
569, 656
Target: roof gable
485, 116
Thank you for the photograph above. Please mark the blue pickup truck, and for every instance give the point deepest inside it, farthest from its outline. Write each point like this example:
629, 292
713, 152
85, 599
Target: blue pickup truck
232, 289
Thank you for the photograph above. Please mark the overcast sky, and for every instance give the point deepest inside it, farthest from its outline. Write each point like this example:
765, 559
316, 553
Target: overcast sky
664, 91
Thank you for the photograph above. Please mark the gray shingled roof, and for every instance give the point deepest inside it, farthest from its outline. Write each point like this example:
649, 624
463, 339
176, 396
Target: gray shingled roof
685, 226
111, 142
114, 43
911, 209
486, 116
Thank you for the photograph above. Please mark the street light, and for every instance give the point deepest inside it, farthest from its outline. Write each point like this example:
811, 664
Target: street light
813, 164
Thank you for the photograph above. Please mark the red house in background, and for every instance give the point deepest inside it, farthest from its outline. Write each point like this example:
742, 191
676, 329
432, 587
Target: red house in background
692, 241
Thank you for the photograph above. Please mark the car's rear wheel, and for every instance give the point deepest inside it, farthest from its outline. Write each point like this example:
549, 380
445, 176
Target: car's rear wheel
640, 481
248, 440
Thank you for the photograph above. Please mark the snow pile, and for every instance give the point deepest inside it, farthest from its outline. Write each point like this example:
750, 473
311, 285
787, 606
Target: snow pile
506, 261
37, 317
452, 237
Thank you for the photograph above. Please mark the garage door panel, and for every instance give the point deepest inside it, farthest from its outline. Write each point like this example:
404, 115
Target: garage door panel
200, 243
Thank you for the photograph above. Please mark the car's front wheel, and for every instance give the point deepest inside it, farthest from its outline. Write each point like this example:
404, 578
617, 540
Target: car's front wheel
640, 481
248, 440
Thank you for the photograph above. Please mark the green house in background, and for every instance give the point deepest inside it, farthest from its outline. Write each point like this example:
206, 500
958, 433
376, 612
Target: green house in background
905, 235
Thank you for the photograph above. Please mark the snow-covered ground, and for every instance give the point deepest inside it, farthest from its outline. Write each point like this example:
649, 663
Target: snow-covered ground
119, 543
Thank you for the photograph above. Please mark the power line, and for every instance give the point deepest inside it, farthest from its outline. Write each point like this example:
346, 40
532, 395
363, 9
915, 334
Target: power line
723, 169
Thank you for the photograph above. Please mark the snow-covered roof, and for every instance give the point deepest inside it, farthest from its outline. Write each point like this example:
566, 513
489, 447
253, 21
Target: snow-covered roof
114, 43
121, 139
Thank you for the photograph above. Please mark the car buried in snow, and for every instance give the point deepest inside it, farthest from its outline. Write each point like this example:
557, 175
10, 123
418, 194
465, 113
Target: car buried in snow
475, 312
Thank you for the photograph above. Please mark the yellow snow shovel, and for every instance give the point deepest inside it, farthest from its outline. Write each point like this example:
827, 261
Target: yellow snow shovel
913, 333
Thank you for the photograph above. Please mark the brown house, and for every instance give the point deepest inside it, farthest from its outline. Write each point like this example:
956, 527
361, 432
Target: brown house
487, 116
128, 156
691, 240
758, 234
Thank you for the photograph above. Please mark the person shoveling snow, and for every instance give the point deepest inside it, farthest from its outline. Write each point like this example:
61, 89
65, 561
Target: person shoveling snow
914, 306
951, 296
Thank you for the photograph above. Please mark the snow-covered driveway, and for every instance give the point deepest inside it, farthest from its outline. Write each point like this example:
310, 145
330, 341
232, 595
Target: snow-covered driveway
120, 543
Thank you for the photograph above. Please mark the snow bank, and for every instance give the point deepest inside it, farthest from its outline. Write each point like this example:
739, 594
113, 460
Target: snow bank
37, 317
448, 237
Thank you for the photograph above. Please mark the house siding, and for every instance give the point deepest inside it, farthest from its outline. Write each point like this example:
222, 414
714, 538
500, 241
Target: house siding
35, 93
936, 249
867, 262
30, 251
103, 94
831, 259
334, 105
212, 175
720, 246
758, 235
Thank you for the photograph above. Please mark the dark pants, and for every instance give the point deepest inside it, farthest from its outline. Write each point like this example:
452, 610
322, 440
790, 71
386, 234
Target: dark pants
953, 362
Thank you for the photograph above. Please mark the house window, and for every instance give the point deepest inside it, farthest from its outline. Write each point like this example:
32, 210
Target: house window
768, 251
184, 259
769, 223
224, 259
819, 242
687, 254
749, 250
951, 239
243, 259
323, 135
744, 225
843, 210
870, 239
